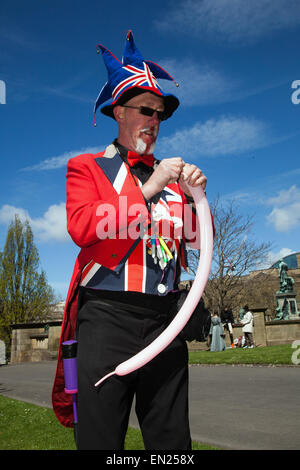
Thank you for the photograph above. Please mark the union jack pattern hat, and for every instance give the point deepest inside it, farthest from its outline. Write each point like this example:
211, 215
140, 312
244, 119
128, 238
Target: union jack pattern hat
132, 76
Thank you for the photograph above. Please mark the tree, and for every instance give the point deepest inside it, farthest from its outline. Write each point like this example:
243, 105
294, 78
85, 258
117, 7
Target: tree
259, 291
25, 295
235, 255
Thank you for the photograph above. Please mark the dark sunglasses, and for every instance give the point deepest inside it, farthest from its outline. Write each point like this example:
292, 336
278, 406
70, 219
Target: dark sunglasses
162, 116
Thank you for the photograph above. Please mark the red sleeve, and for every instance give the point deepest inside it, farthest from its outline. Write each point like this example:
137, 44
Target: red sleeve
89, 192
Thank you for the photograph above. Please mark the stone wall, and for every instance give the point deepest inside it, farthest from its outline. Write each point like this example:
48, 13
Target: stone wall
35, 342
282, 332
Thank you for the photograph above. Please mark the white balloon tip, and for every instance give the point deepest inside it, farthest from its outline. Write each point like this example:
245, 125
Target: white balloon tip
104, 378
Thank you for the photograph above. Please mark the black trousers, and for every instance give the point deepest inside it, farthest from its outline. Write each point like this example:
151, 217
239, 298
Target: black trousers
112, 328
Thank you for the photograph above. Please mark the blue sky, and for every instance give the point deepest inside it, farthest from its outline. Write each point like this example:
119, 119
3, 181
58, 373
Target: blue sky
236, 62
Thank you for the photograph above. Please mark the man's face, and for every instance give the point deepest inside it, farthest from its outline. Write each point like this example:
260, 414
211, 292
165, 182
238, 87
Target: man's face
136, 131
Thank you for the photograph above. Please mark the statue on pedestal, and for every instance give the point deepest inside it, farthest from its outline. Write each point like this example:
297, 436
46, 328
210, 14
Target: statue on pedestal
286, 282
282, 312
285, 296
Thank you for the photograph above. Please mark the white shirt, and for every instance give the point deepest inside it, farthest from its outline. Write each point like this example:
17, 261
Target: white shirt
247, 321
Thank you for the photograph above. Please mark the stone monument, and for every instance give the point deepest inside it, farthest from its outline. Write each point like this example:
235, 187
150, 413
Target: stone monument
285, 297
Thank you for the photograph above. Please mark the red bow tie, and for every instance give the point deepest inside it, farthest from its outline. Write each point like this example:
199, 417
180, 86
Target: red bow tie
134, 158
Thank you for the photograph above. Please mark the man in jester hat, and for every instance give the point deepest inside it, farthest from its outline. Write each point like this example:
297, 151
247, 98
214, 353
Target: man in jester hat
132, 217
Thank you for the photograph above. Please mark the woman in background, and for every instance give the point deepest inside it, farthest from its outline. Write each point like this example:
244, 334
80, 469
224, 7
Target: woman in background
217, 334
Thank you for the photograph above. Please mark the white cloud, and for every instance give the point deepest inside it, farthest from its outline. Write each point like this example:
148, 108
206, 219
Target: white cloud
51, 226
236, 21
285, 218
286, 211
286, 196
53, 163
225, 136
8, 212
274, 257
199, 84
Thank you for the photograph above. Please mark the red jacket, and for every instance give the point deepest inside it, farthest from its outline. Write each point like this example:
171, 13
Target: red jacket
91, 182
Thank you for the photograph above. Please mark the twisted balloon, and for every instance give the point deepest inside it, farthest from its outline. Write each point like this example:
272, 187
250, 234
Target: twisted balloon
192, 300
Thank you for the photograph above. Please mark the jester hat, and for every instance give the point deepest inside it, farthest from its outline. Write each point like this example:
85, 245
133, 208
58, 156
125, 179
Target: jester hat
131, 77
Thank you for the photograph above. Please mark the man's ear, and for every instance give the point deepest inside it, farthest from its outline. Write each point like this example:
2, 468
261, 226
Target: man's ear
118, 113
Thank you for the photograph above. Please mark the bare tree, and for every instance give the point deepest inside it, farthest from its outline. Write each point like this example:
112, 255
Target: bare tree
235, 254
259, 291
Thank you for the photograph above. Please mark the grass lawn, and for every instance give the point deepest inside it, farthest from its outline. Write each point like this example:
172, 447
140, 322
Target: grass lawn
24, 426
271, 355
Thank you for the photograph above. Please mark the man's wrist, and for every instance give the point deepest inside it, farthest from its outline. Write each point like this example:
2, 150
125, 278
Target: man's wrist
148, 191
189, 199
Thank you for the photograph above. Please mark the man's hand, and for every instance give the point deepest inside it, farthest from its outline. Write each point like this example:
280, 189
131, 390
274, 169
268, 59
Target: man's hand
171, 170
168, 171
193, 176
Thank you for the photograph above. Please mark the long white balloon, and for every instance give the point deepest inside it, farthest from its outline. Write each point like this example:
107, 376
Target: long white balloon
195, 293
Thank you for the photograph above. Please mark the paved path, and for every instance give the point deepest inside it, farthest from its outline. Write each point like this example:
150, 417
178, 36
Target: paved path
233, 407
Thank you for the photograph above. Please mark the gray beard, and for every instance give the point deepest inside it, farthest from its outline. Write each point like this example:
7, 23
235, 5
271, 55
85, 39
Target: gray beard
141, 147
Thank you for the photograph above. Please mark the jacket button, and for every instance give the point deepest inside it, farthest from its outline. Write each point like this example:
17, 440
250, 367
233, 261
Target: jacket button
113, 255
161, 288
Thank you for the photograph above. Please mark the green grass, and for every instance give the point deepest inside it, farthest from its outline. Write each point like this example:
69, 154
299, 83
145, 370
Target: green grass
24, 426
269, 355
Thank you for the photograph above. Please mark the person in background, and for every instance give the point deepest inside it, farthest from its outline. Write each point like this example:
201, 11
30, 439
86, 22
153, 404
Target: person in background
227, 322
241, 313
217, 342
247, 322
